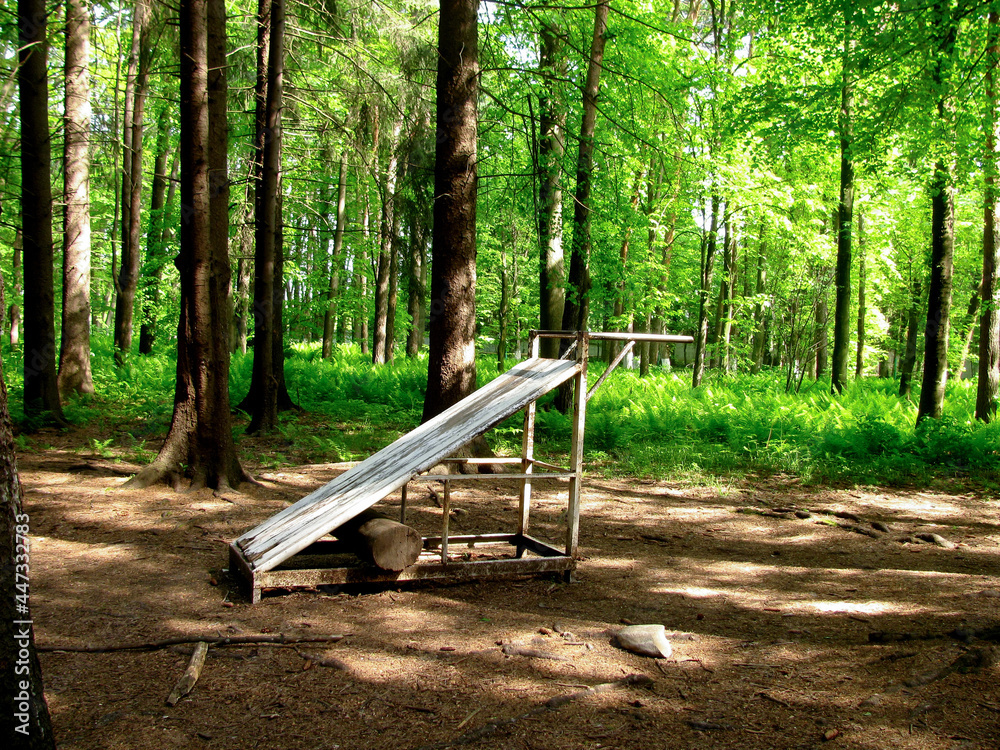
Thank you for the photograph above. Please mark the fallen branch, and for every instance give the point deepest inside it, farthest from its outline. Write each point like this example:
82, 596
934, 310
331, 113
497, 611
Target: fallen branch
235, 640
187, 681
550, 705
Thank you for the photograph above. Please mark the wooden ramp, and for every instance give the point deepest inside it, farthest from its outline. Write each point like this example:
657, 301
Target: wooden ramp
298, 526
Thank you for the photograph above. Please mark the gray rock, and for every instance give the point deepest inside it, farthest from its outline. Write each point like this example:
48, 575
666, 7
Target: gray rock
645, 640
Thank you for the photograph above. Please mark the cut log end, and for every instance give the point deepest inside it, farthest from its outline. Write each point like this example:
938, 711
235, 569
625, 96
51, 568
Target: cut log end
381, 541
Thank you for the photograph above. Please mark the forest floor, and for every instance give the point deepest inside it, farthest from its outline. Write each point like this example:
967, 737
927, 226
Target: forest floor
775, 621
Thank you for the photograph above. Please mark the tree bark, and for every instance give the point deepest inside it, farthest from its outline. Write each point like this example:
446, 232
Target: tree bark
130, 261
575, 311
14, 311
988, 386
158, 235
759, 309
263, 396
336, 261
912, 332
708, 252
417, 267
386, 258
859, 363
845, 225
551, 147
942, 190
74, 349
25, 720
451, 372
200, 433
41, 389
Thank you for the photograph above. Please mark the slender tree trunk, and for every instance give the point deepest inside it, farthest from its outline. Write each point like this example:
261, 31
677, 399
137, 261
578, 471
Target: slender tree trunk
25, 721
200, 435
967, 330
74, 351
575, 311
41, 390
988, 386
263, 396
156, 250
14, 311
451, 372
912, 333
822, 334
244, 263
708, 251
417, 275
131, 258
361, 278
385, 255
845, 225
859, 363
390, 313
336, 261
939, 295
551, 147
759, 310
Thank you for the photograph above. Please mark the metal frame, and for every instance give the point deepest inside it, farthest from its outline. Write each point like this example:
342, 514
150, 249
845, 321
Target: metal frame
317, 564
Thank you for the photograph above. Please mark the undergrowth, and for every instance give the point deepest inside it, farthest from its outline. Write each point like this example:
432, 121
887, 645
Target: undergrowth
657, 426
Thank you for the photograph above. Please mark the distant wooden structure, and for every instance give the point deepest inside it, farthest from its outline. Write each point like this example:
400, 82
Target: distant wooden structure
288, 550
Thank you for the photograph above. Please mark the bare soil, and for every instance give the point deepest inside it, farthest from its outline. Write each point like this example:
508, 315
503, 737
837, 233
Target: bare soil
772, 618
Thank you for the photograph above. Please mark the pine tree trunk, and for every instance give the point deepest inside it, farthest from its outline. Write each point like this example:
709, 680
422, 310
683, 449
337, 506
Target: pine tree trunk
200, 435
417, 280
262, 399
859, 363
386, 259
988, 386
551, 147
25, 721
74, 350
451, 372
130, 261
41, 390
845, 227
336, 261
155, 246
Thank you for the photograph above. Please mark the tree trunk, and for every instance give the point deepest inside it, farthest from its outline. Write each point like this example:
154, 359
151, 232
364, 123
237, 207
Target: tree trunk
200, 435
381, 541
130, 262
262, 399
74, 349
26, 722
859, 364
156, 251
708, 250
451, 372
988, 387
417, 267
575, 311
551, 147
41, 389
759, 310
942, 191
361, 278
912, 332
967, 330
845, 226
336, 261
14, 311
386, 258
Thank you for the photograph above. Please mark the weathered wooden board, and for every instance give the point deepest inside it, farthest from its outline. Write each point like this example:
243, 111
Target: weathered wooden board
290, 531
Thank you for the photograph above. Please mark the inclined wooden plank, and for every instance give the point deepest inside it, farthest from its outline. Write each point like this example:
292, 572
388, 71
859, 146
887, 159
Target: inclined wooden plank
296, 527
361, 474
423, 438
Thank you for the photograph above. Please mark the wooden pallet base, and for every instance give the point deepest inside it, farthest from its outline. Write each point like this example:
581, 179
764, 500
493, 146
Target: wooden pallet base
326, 562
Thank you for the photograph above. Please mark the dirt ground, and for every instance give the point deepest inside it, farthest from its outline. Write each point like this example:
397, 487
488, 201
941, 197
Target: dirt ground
771, 617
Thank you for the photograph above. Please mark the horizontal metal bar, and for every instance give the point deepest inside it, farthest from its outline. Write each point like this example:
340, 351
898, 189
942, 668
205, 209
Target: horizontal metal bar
662, 338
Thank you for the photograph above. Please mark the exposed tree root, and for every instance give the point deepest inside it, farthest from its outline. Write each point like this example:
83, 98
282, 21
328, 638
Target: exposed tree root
279, 639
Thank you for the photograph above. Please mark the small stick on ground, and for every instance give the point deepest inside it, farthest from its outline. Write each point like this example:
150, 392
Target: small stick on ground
236, 640
187, 681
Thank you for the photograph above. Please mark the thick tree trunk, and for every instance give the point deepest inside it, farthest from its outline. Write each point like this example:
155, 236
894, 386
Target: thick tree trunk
336, 262
576, 308
708, 250
200, 435
25, 720
988, 386
131, 258
74, 350
551, 147
845, 226
262, 399
451, 372
41, 389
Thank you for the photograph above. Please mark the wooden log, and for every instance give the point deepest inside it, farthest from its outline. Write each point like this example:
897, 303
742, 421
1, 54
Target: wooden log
380, 540
186, 683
